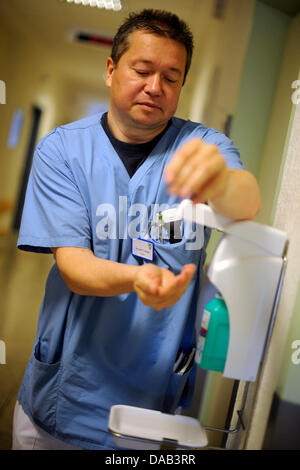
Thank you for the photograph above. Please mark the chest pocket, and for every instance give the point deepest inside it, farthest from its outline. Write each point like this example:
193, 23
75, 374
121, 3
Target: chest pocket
184, 248
174, 256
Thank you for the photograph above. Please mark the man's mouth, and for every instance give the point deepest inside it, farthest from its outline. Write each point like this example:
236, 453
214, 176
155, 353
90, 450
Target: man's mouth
149, 105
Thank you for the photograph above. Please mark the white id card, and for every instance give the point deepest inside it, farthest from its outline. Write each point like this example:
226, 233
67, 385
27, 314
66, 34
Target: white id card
142, 248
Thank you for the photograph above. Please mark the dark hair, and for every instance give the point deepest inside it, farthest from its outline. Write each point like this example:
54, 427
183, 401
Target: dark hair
157, 22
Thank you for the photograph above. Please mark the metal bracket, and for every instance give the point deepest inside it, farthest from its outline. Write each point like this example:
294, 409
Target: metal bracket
240, 422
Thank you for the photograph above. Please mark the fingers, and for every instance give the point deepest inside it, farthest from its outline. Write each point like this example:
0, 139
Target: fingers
179, 282
203, 176
164, 289
181, 158
214, 188
167, 298
197, 171
148, 279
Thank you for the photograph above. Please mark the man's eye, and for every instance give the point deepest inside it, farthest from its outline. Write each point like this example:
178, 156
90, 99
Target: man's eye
170, 80
141, 72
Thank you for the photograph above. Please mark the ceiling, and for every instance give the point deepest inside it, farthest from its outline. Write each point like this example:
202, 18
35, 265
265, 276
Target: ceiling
51, 22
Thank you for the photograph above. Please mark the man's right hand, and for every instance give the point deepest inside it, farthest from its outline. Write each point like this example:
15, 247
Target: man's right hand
85, 274
159, 287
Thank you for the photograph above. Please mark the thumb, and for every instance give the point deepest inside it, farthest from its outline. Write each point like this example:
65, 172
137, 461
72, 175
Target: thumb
186, 274
150, 278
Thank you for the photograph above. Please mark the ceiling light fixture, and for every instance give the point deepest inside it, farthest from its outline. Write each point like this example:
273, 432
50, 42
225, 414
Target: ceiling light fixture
108, 4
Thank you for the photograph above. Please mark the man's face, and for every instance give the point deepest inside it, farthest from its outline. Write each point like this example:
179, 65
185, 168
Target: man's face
146, 83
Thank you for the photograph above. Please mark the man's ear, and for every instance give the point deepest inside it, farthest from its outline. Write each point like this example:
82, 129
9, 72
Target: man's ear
109, 71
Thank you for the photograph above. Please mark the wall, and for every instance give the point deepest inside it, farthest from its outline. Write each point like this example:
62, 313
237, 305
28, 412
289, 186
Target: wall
289, 379
277, 176
220, 63
274, 152
279, 182
288, 387
287, 219
30, 80
283, 424
258, 86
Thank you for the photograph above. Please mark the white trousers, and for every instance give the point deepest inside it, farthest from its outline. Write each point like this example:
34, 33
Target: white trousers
28, 436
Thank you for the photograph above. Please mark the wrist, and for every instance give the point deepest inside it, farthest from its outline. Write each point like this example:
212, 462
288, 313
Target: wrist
241, 197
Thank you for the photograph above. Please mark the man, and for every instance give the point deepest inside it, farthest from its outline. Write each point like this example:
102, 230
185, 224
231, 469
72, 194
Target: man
112, 322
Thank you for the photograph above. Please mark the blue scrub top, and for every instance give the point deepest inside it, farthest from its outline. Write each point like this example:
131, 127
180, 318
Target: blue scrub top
94, 352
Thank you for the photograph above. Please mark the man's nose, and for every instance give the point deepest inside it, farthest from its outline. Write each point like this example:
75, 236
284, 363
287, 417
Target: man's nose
153, 85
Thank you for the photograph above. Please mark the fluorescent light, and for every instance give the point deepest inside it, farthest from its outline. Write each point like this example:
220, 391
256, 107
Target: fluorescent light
107, 4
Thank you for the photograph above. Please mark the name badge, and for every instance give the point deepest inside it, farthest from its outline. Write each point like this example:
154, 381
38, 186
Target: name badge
142, 248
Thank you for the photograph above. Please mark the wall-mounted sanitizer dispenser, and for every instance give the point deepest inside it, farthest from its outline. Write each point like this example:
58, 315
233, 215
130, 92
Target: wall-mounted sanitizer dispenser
247, 269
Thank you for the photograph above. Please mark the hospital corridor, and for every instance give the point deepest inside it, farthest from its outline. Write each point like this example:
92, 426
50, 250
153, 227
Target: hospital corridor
91, 122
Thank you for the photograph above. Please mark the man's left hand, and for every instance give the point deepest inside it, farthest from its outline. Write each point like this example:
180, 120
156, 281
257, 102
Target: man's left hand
197, 171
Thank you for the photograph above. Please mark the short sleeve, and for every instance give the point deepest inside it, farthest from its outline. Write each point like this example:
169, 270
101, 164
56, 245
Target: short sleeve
226, 147
54, 212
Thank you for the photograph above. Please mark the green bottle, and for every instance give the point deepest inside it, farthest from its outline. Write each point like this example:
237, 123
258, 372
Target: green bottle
213, 339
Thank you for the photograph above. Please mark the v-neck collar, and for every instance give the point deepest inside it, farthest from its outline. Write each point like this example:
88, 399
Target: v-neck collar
147, 163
